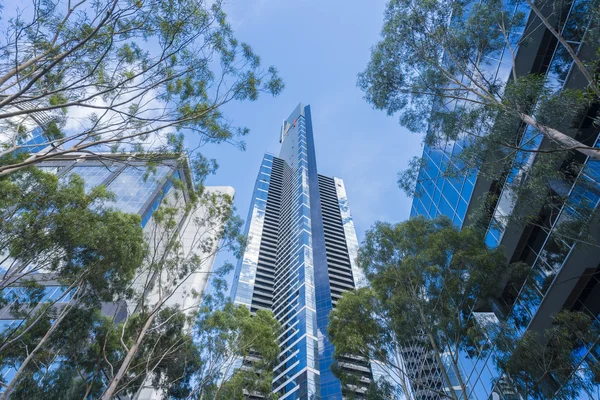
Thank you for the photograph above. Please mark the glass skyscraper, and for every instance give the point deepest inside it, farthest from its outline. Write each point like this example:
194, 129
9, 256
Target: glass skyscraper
300, 258
563, 273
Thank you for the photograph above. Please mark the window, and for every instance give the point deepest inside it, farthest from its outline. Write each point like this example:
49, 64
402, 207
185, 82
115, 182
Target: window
92, 175
134, 186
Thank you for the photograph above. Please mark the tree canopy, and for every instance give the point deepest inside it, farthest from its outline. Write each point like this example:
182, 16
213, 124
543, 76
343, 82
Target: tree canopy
436, 65
426, 277
450, 71
111, 324
430, 303
115, 75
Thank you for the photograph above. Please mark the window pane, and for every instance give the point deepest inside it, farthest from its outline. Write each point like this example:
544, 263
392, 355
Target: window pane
134, 186
92, 175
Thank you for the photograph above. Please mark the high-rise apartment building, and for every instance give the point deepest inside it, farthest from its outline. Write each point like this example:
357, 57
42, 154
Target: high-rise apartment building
564, 273
300, 258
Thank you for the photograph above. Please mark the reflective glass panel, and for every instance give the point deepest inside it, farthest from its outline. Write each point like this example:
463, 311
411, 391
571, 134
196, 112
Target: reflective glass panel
134, 186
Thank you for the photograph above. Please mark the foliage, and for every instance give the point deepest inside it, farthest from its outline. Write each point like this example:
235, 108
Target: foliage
430, 288
117, 320
426, 277
236, 338
57, 238
435, 66
521, 133
542, 364
179, 363
54, 226
122, 75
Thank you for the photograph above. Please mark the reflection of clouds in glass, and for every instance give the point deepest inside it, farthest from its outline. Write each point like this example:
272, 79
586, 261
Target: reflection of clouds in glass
249, 263
349, 233
134, 186
92, 175
486, 319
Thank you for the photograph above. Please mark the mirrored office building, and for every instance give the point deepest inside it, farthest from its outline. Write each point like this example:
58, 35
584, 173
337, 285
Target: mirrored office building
563, 272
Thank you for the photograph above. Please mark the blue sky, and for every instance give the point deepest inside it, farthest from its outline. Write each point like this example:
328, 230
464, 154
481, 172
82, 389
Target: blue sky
319, 46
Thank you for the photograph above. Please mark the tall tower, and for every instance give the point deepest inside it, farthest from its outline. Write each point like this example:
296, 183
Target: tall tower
300, 258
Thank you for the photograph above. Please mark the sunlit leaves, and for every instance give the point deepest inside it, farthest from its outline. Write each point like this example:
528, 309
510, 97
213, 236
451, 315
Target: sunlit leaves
144, 69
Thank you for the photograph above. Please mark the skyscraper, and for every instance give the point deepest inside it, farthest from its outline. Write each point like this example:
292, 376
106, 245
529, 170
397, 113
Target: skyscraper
563, 272
299, 259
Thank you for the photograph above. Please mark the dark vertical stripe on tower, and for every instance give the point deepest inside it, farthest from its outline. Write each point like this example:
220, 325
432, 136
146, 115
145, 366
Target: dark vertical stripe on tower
338, 263
262, 297
340, 277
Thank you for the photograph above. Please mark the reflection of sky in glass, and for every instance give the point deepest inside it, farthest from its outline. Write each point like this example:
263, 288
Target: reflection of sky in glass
304, 350
49, 170
558, 71
246, 270
436, 197
21, 295
92, 175
349, 233
33, 138
440, 195
9, 324
524, 160
134, 186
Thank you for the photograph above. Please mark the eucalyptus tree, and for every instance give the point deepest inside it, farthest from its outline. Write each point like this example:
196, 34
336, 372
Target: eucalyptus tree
552, 363
121, 75
553, 14
56, 237
437, 66
52, 225
70, 345
426, 278
182, 356
240, 352
430, 288
172, 260
433, 53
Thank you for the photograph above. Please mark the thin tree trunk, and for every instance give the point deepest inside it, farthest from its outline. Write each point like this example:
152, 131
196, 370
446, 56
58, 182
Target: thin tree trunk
565, 141
401, 367
114, 382
42, 342
459, 377
436, 353
567, 46
8, 340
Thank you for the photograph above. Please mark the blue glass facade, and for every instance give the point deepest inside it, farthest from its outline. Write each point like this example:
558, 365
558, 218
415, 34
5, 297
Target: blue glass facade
36, 141
550, 258
437, 194
243, 284
287, 267
33, 142
137, 188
